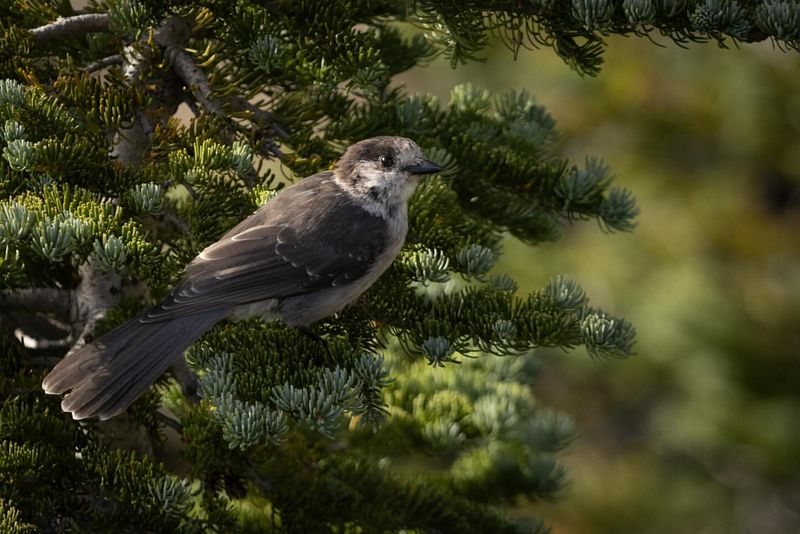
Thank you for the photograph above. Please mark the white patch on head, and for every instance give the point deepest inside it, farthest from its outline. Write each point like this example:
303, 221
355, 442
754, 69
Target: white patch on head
393, 187
382, 190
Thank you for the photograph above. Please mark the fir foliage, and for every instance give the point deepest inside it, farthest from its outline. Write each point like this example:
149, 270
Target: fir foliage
97, 176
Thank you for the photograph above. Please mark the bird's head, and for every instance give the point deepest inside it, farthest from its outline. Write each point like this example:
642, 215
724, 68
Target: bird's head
383, 171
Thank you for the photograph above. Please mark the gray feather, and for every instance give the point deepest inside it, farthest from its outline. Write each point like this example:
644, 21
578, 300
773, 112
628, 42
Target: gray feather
315, 247
311, 236
106, 376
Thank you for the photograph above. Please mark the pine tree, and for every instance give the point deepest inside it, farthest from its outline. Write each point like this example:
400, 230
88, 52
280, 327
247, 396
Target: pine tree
106, 195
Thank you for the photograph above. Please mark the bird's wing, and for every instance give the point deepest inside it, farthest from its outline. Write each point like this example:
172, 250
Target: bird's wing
309, 237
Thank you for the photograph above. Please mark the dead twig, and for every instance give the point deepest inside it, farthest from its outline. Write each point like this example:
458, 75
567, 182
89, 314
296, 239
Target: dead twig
115, 59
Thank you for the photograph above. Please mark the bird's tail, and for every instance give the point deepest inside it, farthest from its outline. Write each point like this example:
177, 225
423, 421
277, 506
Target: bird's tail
107, 375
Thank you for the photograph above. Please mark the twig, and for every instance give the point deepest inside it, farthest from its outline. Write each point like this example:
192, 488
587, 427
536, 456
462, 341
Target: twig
131, 142
171, 422
170, 37
37, 299
115, 59
261, 115
70, 26
194, 78
197, 82
262, 143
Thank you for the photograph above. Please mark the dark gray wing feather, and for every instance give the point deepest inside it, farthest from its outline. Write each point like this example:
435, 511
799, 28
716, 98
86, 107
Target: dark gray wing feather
311, 236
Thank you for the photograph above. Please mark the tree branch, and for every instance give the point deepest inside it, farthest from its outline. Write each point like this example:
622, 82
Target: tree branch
132, 142
115, 59
97, 293
171, 37
171, 422
37, 299
197, 81
194, 77
71, 26
260, 115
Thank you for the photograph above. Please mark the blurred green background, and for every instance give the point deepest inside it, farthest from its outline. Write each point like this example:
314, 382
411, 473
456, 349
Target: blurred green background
700, 431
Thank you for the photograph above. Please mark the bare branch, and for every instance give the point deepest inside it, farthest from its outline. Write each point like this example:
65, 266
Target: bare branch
260, 115
37, 299
197, 81
71, 26
171, 36
194, 78
116, 59
97, 293
171, 422
132, 142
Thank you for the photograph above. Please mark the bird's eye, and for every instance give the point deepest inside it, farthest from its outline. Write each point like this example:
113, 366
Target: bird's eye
386, 160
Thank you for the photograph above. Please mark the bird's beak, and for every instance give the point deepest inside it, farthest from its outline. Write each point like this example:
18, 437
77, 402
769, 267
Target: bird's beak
422, 166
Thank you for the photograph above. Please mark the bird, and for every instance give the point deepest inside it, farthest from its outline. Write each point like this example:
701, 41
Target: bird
315, 247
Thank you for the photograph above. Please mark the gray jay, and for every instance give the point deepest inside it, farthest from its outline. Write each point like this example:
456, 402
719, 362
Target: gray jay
308, 252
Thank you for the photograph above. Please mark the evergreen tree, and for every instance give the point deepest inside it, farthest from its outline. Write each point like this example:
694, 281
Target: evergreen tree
106, 196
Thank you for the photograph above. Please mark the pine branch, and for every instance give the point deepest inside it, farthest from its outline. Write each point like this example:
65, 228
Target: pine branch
131, 142
242, 68
263, 143
193, 76
71, 26
197, 81
137, 62
576, 30
260, 115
